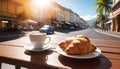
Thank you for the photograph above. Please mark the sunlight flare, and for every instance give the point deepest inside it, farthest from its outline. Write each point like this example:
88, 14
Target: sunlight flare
40, 3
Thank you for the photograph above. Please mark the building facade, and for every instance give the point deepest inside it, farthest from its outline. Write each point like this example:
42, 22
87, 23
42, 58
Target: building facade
76, 19
115, 26
67, 15
12, 12
8, 14
59, 12
83, 23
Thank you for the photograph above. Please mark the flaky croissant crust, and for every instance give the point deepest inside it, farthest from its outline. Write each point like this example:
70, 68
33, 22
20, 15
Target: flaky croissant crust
77, 45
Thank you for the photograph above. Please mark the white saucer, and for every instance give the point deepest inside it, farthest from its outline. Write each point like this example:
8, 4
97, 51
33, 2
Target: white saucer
31, 48
94, 54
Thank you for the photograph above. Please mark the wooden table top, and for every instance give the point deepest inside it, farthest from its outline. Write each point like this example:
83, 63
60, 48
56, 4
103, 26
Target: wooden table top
13, 52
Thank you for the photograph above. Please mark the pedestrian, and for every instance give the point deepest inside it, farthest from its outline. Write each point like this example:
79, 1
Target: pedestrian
15, 28
30, 27
19, 27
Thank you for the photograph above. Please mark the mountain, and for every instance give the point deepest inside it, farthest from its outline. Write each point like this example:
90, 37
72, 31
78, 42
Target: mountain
90, 22
89, 19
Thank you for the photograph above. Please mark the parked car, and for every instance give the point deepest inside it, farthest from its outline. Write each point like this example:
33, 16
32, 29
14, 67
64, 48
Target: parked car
81, 27
47, 29
71, 27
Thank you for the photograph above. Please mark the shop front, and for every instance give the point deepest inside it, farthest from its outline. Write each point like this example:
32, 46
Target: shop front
115, 26
7, 24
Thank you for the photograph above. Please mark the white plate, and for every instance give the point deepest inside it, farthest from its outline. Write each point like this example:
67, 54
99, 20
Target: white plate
94, 54
30, 47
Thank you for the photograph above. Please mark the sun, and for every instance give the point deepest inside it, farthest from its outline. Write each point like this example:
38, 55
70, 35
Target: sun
40, 3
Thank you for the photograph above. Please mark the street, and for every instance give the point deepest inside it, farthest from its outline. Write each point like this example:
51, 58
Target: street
90, 32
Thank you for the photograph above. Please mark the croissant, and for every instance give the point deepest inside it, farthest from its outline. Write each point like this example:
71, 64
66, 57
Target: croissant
83, 36
64, 44
78, 45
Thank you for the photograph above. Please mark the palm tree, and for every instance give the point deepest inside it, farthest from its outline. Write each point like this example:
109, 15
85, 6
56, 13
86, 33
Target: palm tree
103, 10
100, 20
104, 6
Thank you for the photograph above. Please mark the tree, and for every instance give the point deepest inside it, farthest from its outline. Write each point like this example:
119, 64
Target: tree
100, 18
103, 10
104, 6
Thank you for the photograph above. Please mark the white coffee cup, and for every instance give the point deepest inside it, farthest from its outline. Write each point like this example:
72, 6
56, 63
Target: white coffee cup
38, 40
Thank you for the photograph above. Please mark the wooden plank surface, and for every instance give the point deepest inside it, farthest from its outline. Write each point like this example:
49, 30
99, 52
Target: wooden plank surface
14, 52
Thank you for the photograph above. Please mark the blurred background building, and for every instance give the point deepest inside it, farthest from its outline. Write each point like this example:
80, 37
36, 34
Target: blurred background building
24, 12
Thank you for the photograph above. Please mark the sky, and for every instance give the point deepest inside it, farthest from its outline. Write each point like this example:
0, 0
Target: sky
84, 8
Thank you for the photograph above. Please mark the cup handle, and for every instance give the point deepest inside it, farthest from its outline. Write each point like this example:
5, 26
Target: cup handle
48, 40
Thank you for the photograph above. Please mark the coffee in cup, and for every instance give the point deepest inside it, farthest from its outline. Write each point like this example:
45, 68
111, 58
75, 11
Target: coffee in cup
38, 39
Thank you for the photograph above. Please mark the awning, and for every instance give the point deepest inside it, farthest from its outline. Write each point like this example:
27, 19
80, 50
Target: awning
72, 23
9, 18
67, 23
114, 16
60, 22
108, 22
55, 22
29, 21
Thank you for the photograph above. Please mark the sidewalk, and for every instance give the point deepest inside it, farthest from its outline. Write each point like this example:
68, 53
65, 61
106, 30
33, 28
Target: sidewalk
114, 34
4, 36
